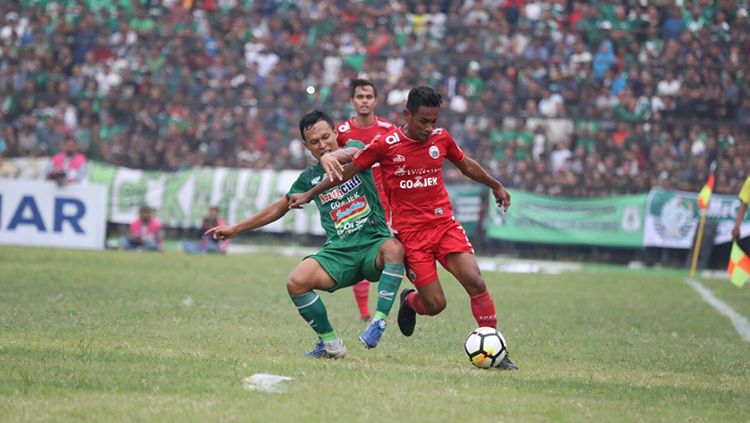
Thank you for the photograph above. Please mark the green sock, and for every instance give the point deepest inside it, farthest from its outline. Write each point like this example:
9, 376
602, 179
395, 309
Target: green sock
390, 279
310, 306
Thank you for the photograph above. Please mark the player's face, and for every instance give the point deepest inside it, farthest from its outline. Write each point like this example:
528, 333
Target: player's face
364, 100
422, 122
320, 139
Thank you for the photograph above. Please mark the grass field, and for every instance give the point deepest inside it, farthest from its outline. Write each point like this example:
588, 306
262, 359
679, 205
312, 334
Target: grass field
105, 336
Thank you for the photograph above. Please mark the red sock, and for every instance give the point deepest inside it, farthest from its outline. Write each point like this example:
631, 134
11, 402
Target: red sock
483, 309
361, 294
414, 301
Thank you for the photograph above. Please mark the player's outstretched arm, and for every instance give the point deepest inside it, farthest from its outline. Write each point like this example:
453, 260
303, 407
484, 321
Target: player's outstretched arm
473, 170
270, 213
298, 200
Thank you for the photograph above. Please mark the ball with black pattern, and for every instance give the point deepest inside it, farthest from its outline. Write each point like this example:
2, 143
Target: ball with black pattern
485, 347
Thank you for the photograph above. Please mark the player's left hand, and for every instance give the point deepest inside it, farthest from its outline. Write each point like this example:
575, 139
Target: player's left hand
502, 197
296, 201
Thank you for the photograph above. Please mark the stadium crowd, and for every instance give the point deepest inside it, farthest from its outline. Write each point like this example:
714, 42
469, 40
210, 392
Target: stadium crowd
557, 97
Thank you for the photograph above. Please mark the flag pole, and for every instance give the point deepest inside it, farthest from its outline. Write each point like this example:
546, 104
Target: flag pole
704, 198
698, 243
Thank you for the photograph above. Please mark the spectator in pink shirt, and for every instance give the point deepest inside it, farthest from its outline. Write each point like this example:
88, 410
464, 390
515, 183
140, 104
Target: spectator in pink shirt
145, 233
68, 166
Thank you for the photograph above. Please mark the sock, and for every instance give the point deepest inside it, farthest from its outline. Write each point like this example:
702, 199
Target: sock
361, 294
414, 301
310, 306
390, 280
483, 309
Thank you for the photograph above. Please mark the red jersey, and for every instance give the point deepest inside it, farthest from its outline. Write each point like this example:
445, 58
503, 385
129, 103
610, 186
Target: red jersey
413, 176
348, 130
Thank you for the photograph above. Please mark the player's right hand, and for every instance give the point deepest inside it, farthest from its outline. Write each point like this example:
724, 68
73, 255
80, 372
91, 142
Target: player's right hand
221, 232
502, 197
332, 167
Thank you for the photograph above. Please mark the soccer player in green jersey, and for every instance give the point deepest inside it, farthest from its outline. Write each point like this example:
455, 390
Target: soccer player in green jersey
358, 243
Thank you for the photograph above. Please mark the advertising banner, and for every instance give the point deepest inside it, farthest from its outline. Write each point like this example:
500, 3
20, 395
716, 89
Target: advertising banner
41, 213
182, 199
614, 221
672, 218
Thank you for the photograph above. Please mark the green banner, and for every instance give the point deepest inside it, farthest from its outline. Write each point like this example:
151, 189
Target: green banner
467, 204
613, 222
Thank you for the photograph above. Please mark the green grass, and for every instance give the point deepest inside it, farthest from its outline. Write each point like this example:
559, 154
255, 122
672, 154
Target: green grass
103, 336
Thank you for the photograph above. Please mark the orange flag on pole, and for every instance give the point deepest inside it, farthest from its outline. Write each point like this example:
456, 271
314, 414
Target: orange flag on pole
704, 196
739, 266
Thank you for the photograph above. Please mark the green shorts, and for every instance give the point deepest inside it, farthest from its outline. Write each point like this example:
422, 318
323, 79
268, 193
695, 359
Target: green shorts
347, 266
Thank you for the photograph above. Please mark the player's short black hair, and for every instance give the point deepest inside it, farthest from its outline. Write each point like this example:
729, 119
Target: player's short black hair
354, 83
311, 118
423, 96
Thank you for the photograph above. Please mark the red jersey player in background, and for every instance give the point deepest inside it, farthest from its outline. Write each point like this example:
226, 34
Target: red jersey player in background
365, 126
411, 162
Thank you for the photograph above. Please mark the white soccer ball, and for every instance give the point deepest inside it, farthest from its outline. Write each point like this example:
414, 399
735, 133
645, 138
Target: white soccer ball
485, 347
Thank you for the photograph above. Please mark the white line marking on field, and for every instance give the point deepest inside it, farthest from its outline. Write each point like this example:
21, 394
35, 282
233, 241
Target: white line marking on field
740, 323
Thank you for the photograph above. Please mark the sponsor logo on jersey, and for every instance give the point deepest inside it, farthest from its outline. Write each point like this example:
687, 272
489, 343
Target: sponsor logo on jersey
392, 139
352, 210
316, 180
422, 171
341, 190
437, 131
400, 171
344, 127
434, 151
418, 182
399, 159
384, 124
439, 211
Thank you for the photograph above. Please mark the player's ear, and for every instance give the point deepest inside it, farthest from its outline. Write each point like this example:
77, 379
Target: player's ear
407, 114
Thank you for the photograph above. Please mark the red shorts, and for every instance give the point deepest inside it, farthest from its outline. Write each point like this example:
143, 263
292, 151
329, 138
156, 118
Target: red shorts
423, 248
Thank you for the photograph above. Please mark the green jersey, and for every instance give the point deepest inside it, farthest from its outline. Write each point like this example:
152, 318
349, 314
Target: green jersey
350, 213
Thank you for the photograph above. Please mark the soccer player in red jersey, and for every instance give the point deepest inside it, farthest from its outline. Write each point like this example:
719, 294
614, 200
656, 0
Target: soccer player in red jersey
411, 162
365, 126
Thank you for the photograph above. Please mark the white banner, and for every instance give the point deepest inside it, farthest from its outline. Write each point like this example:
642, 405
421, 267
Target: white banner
182, 199
672, 218
41, 213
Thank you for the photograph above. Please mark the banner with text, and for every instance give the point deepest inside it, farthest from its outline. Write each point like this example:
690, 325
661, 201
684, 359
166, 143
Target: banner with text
182, 199
672, 218
40, 213
615, 221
